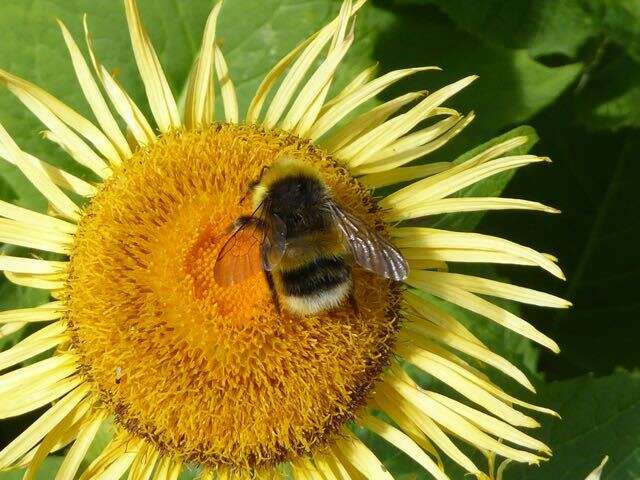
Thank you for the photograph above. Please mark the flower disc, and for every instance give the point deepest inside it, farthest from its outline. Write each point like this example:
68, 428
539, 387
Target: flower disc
214, 375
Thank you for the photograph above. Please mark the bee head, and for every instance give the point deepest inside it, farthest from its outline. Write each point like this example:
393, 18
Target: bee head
283, 169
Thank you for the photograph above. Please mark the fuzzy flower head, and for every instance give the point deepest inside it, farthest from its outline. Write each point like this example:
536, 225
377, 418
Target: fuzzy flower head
194, 372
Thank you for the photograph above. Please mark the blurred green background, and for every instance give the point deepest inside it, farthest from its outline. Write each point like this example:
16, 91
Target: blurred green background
568, 68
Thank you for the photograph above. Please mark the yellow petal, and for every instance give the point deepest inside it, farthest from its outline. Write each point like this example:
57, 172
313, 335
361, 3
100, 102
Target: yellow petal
402, 174
369, 144
95, 99
255, 107
597, 473
314, 85
24, 215
404, 443
200, 101
127, 109
431, 364
361, 457
34, 174
40, 385
60, 178
78, 450
29, 236
417, 329
409, 428
367, 121
52, 438
41, 313
161, 100
37, 430
466, 204
317, 101
11, 328
342, 468
394, 401
394, 160
485, 384
490, 424
495, 151
144, 464
430, 239
303, 469
54, 282
326, 468
30, 347
482, 157
51, 112
295, 75
439, 317
472, 302
118, 468
60, 365
426, 190
116, 449
60, 118
30, 265
308, 52
228, 91
14, 405
417, 138
421, 256
167, 469
461, 427
357, 97
355, 84
484, 286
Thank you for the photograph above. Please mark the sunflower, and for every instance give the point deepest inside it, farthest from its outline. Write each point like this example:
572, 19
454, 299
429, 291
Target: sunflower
190, 373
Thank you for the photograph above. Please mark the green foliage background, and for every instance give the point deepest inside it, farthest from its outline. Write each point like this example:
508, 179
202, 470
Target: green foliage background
568, 68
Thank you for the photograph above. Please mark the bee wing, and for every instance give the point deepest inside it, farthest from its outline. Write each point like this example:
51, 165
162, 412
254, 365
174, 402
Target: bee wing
254, 245
274, 243
240, 257
370, 250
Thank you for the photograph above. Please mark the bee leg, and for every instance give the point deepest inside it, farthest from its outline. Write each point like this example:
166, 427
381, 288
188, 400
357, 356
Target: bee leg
272, 288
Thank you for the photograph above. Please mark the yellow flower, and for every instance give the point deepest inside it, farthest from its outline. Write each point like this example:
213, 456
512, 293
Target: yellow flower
192, 373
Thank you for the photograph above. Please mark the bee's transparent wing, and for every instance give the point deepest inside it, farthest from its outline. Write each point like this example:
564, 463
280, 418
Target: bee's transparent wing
274, 243
370, 250
254, 245
240, 256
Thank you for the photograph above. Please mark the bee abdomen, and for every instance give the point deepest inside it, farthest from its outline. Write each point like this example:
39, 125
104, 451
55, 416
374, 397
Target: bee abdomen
318, 285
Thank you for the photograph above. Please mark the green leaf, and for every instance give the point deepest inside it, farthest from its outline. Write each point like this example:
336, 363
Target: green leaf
47, 471
619, 21
541, 26
600, 416
511, 87
603, 284
546, 27
611, 97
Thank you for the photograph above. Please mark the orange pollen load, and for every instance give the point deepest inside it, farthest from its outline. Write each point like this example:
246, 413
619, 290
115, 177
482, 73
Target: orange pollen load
208, 374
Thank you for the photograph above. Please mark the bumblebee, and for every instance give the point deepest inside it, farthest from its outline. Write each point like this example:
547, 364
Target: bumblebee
304, 242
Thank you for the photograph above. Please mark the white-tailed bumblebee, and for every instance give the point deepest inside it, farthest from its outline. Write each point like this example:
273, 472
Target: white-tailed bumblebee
304, 242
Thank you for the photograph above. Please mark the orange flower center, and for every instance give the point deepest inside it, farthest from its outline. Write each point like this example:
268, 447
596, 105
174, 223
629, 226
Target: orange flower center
214, 375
